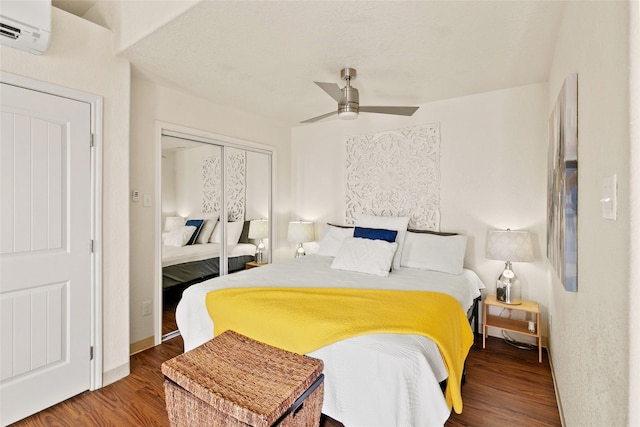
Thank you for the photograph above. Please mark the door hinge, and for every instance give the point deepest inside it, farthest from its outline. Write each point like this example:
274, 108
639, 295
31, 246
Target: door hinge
91, 139
91, 353
91, 248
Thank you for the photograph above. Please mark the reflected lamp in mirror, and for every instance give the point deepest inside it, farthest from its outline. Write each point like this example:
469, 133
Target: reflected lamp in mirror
300, 232
509, 246
259, 229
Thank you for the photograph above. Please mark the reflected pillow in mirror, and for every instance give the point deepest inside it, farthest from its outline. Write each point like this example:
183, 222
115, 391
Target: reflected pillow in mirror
234, 230
180, 236
172, 223
194, 223
210, 222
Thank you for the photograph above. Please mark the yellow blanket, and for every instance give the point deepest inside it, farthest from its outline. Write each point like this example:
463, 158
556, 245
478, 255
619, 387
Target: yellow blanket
302, 320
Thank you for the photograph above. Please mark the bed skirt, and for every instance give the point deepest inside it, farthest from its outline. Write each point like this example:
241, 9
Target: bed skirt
198, 271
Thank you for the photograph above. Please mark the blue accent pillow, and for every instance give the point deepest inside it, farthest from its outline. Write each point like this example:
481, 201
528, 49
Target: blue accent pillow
197, 223
375, 234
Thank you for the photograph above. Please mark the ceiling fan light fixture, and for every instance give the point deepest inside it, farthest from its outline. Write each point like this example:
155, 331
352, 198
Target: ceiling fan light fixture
350, 108
348, 100
348, 115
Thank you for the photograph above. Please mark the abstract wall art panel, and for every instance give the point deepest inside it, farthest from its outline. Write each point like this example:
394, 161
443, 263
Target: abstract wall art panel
562, 192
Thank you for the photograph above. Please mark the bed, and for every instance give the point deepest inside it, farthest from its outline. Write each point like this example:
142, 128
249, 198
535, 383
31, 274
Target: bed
191, 250
195, 263
370, 380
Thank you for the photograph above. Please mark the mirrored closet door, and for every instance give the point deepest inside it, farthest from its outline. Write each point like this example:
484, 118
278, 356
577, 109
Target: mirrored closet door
216, 203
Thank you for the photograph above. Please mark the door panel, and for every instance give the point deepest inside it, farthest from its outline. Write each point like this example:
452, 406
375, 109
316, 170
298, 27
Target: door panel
45, 259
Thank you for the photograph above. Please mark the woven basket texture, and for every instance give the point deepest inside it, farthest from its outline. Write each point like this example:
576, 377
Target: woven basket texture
234, 380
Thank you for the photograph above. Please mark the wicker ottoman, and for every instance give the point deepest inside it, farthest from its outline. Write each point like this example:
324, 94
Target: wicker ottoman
234, 380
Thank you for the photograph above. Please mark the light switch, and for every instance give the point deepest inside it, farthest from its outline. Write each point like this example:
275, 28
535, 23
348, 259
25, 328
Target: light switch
609, 197
146, 200
135, 195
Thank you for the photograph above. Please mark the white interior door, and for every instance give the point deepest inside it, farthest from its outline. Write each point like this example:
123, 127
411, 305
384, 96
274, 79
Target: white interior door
45, 251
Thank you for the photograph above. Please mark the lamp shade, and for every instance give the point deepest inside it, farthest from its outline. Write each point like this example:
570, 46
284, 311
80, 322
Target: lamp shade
508, 245
301, 232
259, 229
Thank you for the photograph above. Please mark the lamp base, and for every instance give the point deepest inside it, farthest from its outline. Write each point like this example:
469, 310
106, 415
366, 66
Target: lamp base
300, 251
508, 289
260, 252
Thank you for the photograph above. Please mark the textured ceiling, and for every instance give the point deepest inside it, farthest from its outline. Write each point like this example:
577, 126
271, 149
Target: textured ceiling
263, 56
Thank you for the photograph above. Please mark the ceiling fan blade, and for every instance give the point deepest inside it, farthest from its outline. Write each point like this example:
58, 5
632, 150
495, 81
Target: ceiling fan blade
400, 111
332, 89
315, 119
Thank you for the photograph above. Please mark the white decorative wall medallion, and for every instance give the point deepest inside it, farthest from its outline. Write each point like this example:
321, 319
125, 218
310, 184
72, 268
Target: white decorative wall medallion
210, 184
395, 173
236, 168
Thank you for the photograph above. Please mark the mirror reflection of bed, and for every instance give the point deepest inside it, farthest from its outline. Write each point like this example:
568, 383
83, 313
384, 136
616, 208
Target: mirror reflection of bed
186, 264
194, 237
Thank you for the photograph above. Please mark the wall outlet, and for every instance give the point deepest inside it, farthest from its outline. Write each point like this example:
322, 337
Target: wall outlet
146, 308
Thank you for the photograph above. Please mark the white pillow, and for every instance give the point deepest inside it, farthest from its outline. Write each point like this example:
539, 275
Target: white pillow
332, 240
365, 256
433, 252
234, 230
180, 236
216, 235
207, 229
172, 223
398, 223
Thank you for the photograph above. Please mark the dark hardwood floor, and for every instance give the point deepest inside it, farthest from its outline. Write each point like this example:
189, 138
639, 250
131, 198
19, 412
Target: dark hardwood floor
505, 386
170, 299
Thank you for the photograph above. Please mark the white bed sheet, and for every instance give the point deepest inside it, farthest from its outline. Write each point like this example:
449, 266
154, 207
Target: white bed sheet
371, 380
172, 255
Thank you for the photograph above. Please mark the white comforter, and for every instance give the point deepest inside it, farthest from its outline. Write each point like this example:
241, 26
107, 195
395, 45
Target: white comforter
172, 255
372, 380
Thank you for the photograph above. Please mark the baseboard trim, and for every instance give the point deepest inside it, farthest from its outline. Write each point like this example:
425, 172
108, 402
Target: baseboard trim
555, 387
113, 375
141, 345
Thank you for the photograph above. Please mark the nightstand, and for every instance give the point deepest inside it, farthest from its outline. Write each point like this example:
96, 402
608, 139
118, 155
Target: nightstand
511, 325
253, 264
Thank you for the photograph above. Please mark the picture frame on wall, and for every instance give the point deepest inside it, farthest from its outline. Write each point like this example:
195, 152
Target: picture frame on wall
562, 191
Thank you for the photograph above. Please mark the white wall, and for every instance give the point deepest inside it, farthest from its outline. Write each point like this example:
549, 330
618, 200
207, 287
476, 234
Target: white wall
188, 179
151, 103
183, 170
493, 163
634, 253
168, 166
79, 57
590, 329
257, 193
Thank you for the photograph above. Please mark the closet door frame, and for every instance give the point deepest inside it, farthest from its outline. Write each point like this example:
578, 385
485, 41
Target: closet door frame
224, 141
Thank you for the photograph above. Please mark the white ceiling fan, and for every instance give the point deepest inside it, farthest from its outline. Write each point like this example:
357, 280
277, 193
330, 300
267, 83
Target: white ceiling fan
349, 101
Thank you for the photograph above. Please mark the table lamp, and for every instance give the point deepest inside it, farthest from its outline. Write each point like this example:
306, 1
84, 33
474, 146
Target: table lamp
300, 232
259, 229
509, 246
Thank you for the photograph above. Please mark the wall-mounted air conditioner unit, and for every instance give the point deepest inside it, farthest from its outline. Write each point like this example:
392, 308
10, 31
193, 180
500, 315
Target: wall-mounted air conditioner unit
26, 25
